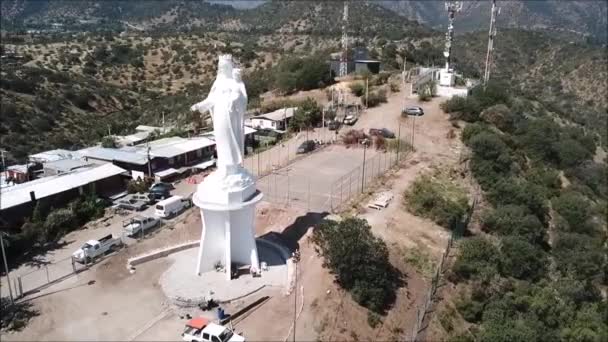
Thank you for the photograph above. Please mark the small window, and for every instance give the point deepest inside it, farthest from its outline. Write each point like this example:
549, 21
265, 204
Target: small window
205, 336
215, 339
96, 246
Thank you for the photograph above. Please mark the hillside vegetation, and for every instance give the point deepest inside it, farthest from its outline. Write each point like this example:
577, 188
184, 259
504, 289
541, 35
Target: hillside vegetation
537, 269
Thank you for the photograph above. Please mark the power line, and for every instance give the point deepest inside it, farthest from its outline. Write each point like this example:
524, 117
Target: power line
491, 34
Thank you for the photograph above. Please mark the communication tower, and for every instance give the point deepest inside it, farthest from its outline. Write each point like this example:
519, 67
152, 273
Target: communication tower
489, 56
344, 55
452, 7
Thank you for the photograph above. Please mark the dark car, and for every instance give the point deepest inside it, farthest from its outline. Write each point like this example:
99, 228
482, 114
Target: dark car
307, 146
333, 125
413, 111
160, 193
383, 132
163, 186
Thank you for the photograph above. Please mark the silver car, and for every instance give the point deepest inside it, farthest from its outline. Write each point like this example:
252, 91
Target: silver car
413, 111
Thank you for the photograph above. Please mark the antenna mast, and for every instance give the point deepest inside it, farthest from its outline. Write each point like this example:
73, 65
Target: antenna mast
452, 7
491, 35
344, 56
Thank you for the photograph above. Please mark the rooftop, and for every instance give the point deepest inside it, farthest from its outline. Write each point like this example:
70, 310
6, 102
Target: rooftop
18, 194
52, 155
278, 115
65, 165
114, 154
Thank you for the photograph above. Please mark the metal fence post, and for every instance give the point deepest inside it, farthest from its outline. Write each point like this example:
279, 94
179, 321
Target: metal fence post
20, 286
48, 279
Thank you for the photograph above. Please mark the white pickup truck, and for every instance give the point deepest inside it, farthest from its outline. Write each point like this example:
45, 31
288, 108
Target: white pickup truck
210, 332
138, 224
94, 248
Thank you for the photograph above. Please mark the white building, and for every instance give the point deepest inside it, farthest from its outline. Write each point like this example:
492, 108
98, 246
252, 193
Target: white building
277, 120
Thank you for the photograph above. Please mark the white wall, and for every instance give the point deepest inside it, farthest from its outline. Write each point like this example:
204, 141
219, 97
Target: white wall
263, 123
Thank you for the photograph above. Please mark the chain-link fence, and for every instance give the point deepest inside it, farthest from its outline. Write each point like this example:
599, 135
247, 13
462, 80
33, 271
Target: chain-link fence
422, 312
47, 274
362, 178
294, 187
263, 163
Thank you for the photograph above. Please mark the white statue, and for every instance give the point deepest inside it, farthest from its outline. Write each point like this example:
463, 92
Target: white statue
227, 102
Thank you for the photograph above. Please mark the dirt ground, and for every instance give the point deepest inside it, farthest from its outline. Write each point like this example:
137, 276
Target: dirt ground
109, 303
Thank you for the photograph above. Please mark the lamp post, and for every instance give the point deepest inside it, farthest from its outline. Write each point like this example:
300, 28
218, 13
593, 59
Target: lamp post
365, 142
296, 259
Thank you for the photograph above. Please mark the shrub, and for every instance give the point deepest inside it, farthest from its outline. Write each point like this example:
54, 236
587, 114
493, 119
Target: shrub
359, 260
58, 223
514, 220
576, 211
357, 88
499, 116
108, 142
376, 97
579, 256
394, 87
136, 186
438, 199
353, 137
477, 257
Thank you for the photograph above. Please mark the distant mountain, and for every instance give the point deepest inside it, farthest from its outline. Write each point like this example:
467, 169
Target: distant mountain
322, 17
585, 17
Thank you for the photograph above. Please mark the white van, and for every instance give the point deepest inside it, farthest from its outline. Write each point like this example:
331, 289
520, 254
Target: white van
170, 207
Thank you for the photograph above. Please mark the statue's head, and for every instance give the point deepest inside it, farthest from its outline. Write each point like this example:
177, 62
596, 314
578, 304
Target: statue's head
224, 66
236, 74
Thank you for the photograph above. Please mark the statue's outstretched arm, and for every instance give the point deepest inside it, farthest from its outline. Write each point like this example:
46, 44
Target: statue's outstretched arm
206, 104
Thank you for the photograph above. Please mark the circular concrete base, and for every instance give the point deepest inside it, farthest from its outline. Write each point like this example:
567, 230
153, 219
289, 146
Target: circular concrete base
186, 289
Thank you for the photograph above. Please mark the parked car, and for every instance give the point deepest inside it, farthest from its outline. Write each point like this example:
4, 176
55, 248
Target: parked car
382, 132
94, 248
334, 125
413, 111
167, 186
160, 193
350, 119
307, 146
138, 224
136, 202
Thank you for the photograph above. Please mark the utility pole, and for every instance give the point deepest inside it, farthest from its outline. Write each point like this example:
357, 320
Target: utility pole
3, 164
8, 279
148, 154
491, 35
366, 91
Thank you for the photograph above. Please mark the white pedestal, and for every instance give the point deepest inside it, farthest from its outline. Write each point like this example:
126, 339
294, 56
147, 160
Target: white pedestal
227, 205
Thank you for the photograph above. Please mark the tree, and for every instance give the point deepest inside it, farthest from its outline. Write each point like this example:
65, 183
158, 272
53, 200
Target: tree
521, 260
358, 259
576, 210
514, 220
307, 115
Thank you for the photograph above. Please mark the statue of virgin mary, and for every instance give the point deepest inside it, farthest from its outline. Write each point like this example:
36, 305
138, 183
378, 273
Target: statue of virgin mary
227, 102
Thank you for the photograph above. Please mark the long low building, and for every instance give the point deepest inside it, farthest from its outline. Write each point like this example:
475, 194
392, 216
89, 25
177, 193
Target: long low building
161, 154
18, 200
277, 120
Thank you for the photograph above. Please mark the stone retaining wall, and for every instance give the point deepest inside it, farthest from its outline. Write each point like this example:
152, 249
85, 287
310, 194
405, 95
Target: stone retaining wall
160, 253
